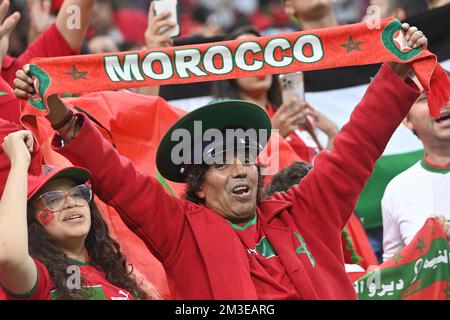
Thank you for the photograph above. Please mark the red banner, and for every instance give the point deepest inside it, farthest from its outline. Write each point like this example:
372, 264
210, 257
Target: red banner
421, 270
340, 46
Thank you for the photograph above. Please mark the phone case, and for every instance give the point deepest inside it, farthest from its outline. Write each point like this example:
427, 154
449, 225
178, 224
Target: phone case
170, 5
292, 85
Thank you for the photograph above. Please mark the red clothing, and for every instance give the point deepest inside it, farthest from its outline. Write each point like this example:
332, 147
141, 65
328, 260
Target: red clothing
201, 253
50, 43
99, 288
266, 270
6, 128
306, 151
132, 23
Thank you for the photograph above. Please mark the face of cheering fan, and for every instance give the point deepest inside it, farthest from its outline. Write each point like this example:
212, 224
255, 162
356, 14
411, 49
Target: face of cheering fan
231, 189
432, 132
62, 208
253, 86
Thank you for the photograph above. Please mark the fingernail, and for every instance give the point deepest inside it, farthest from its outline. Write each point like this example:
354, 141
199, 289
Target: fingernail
415, 45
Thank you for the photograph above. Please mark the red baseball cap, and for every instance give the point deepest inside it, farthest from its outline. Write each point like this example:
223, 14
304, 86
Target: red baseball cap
35, 183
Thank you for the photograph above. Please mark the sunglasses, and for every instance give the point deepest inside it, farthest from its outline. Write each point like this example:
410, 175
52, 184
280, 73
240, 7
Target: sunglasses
55, 200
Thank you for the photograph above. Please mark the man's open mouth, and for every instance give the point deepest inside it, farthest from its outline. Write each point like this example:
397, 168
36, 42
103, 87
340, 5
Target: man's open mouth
241, 190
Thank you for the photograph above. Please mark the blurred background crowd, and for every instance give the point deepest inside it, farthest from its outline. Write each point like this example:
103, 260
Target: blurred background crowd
120, 24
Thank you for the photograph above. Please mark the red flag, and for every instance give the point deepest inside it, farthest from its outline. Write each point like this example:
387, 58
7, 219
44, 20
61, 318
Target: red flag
421, 270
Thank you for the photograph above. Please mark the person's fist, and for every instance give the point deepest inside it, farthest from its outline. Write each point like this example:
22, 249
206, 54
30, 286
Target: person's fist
24, 83
414, 37
18, 146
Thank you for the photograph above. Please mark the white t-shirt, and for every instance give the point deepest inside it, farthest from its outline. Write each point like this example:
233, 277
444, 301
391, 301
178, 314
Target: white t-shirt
409, 199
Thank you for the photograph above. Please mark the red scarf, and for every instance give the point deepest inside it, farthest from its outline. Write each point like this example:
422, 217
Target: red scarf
308, 50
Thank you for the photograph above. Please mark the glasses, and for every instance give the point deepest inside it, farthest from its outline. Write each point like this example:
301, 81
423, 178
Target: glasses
55, 200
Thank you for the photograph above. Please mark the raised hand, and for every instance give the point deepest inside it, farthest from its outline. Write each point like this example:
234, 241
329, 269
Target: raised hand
414, 39
25, 89
39, 16
18, 147
155, 24
288, 117
6, 27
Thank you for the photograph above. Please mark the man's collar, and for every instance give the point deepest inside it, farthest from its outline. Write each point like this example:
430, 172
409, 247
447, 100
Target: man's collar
271, 208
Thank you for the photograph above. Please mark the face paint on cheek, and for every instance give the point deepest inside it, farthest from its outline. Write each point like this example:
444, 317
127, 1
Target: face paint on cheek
46, 216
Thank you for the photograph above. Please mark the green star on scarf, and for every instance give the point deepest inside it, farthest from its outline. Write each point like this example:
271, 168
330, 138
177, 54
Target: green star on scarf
77, 74
396, 257
421, 245
352, 45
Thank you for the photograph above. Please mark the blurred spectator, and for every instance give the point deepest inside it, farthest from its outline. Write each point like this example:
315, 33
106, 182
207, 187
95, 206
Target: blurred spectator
400, 9
311, 14
288, 177
197, 21
58, 40
132, 24
102, 44
422, 190
270, 19
347, 11
438, 3
103, 21
39, 17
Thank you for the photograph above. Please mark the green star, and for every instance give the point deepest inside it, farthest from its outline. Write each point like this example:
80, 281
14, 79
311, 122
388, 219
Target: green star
77, 74
396, 257
352, 45
2, 93
421, 245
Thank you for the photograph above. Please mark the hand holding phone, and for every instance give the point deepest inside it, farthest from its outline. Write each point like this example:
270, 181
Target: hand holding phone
161, 6
293, 87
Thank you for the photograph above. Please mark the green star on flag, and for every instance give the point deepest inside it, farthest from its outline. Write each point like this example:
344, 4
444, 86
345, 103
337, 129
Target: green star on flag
2, 93
421, 245
352, 45
77, 74
396, 257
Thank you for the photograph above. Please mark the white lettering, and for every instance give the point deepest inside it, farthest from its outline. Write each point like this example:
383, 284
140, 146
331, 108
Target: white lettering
126, 72
226, 56
316, 47
269, 52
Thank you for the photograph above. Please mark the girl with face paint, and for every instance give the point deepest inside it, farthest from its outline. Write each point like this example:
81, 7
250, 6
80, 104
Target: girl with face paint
54, 243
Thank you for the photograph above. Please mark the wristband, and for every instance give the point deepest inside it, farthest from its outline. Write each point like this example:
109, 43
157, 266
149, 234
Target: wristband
64, 121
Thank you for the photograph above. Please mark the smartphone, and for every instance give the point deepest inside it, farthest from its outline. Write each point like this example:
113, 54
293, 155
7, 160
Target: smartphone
292, 85
168, 5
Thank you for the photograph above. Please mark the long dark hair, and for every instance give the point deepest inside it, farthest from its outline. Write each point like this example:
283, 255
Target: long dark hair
104, 253
229, 89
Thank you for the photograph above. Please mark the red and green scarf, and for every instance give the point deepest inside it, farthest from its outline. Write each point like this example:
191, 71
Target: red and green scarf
309, 50
421, 270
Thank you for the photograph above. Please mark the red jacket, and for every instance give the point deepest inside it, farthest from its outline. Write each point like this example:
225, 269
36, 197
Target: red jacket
200, 251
